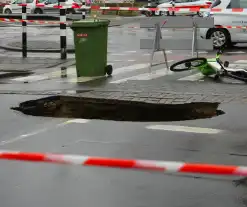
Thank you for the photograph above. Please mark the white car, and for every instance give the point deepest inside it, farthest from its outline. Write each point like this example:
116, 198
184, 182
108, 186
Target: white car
14, 6
184, 4
41, 6
227, 36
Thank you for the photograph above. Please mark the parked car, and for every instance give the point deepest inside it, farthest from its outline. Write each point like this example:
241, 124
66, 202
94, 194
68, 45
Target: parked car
41, 6
226, 36
178, 4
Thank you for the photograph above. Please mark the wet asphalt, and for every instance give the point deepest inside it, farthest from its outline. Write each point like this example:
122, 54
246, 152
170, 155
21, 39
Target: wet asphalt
36, 184
26, 184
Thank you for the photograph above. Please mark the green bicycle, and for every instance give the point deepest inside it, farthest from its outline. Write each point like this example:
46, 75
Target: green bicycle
210, 67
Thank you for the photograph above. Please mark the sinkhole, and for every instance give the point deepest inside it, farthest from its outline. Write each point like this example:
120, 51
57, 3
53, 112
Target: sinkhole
116, 110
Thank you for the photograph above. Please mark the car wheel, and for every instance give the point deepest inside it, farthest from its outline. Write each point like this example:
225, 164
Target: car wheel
38, 11
7, 11
220, 37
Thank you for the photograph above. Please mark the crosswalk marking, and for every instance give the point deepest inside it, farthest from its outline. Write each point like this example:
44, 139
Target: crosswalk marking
193, 77
241, 62
130, 68
138, 71
188, 129
146, 76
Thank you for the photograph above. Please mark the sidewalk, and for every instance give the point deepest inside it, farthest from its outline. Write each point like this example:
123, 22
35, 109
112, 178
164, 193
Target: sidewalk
12, 67
49, 42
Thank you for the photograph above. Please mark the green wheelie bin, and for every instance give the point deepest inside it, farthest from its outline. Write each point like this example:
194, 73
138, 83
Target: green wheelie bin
90, 39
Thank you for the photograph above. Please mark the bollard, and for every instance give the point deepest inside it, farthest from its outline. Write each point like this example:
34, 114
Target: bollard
63, 43
83, 9
63, 72
24, 28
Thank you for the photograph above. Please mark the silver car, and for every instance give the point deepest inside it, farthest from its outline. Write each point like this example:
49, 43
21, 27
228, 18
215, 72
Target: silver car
227, 36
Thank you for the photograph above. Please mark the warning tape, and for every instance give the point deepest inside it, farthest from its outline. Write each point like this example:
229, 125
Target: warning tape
172, 9
28, 21
216, 26
58, 22
145, 165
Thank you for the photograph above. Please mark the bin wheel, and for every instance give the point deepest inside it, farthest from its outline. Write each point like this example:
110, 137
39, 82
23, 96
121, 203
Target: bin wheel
108, 70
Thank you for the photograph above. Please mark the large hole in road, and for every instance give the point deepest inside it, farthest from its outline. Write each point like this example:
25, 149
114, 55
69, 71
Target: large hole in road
117, 110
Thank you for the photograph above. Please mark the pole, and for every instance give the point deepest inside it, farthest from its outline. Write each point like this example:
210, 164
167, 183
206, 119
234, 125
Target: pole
83, 9
63, 43
24, 28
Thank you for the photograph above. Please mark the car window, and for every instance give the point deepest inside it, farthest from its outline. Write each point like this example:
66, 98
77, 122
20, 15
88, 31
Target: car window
18, 2
182, 1
164, 1
243, 3
238, 4
52, 1
29, 1
77, 1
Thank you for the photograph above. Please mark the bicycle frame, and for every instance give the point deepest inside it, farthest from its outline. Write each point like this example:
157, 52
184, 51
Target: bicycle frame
210, 68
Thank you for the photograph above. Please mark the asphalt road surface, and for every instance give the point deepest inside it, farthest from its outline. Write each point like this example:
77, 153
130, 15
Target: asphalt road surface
29, 184
36, 184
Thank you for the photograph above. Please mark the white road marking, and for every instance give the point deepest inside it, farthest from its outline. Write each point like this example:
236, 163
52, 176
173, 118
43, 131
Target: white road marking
148, 54
27, 135
130, 51
195, 77
116, 54
23, 136
185, 129
236, 52
83, 79
79, 121
45, 76
202, 52
146, 76
71, 92
241, 61
130, 68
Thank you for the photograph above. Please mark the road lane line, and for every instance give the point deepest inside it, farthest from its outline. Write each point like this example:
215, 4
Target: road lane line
130, 68
79, 121
195, 77
145, 76
236, 52
39, 131
188, 129
241, 61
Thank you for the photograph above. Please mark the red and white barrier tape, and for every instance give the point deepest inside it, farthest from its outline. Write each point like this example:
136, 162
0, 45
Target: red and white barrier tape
57, 22
145, 165
216, 26
175, 9
29, 21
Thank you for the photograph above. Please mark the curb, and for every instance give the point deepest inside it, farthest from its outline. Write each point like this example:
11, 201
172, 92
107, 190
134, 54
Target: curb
18, 49
10, 74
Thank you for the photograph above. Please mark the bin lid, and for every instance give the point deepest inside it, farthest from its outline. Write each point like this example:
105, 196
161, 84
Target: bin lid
90, 23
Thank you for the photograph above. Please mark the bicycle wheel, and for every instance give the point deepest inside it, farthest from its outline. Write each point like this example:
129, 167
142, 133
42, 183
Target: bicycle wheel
238, 75
187, 64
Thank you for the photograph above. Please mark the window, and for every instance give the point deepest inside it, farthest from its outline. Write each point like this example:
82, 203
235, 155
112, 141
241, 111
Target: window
164, 1
52, 1
243, 3
238, 4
